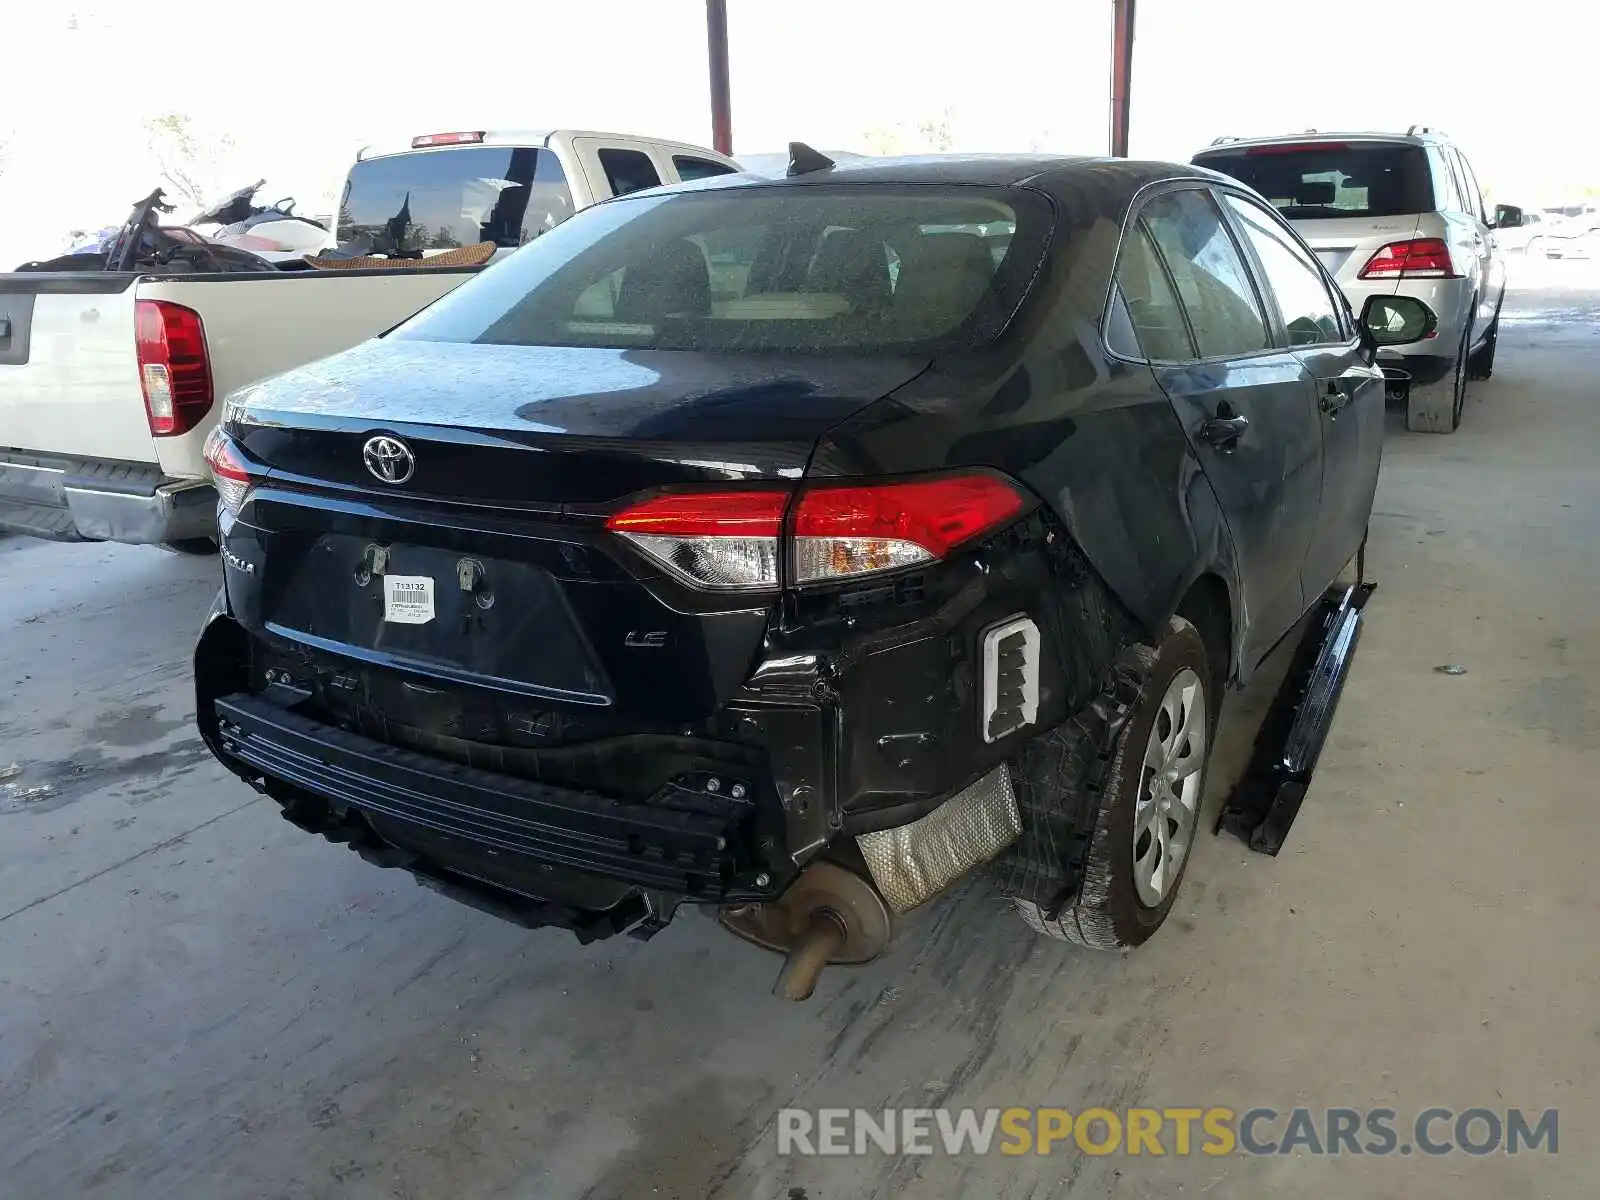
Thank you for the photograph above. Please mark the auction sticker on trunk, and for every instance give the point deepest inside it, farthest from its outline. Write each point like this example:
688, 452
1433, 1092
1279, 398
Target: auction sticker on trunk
407, 599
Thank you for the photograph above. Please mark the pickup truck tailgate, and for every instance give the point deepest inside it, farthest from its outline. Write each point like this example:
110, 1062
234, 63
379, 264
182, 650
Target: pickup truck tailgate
68, 368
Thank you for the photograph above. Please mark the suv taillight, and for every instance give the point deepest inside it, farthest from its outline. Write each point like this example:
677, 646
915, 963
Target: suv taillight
1417, 258
229, 471
733, 540
173, 368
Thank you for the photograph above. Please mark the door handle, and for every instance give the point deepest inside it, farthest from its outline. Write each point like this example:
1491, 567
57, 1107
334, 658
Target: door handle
1223, 433
1334, 397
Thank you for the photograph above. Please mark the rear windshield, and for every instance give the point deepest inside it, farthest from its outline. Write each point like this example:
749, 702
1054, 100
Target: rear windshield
454, 197
1332, 179
784, 269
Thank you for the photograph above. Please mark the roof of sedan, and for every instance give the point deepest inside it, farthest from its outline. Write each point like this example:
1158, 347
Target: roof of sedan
992, 169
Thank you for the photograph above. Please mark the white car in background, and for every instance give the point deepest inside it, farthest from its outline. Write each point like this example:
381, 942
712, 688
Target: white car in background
1393, 214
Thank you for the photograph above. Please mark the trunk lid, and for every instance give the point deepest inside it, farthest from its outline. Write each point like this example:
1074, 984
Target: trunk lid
547, 429
1346, 244
488, 567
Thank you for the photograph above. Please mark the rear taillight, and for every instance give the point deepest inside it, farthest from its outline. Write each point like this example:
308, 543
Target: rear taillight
843, 531
229, 472
173, 367
1416, 258
711, 539
727, 540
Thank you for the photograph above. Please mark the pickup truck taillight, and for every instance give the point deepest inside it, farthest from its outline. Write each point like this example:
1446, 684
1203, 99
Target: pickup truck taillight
229, 471
733, 539
173, 367
1416, 258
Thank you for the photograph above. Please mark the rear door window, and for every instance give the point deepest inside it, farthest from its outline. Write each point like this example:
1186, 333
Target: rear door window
1312, 180
690, 168
433, 200
1444, 182
628, 170
1463, 190
1308, 308
1213, 282
1474, 192
1151, 305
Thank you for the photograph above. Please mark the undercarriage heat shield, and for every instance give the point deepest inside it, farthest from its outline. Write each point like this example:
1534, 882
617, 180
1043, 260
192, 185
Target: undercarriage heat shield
911, 863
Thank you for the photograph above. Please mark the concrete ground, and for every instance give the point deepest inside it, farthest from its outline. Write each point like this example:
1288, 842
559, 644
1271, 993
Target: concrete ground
196, 1000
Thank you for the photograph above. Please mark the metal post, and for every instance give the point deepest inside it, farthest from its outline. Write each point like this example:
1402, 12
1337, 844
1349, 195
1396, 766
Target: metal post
721, 103
1121, 74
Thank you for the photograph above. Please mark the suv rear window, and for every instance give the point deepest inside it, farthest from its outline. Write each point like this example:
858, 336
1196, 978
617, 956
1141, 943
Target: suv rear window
782, 269
446, 199
1309, 180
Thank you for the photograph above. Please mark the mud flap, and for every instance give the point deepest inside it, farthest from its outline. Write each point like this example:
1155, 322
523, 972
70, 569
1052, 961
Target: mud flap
1264, 804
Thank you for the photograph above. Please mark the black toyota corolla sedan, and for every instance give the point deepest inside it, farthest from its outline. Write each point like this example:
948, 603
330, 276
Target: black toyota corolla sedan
796, 546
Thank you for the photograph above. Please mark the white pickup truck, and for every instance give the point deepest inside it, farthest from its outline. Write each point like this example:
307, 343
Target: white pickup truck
110, 381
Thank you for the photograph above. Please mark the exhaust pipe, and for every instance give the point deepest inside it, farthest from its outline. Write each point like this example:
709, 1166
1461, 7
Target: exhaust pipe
816, 948
829, 915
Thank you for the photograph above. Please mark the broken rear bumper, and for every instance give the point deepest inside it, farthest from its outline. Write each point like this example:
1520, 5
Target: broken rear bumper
522, 825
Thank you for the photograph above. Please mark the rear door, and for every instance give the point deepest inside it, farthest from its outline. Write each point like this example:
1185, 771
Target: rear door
1349, 390
1245, 400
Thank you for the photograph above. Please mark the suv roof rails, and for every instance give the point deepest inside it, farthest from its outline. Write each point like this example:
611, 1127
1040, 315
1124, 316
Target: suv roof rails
1416, 129
1227, 137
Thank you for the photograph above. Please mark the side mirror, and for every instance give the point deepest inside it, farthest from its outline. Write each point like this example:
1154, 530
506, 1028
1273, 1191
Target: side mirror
1507, 216
1395, 321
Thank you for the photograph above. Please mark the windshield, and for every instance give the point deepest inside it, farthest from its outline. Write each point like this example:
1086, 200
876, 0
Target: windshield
449, 198
1306, 181
783, 269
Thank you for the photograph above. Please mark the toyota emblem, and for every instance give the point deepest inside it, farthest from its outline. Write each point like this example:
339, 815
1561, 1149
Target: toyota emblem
388, 458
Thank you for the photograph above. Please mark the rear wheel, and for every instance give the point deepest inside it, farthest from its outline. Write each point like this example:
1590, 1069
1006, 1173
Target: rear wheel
1437, 407
1149, 806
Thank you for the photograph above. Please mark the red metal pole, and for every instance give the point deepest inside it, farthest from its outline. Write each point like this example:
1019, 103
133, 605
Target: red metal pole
721, 102
1121, 74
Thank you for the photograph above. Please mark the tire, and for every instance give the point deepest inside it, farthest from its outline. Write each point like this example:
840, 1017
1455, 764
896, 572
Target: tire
1115, 908
1437, 407
200, 546
1480, 364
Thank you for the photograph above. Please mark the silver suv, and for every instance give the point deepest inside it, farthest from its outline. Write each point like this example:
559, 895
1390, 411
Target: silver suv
1393, 214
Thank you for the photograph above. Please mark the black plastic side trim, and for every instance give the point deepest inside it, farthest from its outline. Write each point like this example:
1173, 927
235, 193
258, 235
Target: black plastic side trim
1266, 801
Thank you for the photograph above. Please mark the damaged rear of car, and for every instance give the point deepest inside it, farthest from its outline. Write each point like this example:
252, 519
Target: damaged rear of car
792, 548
